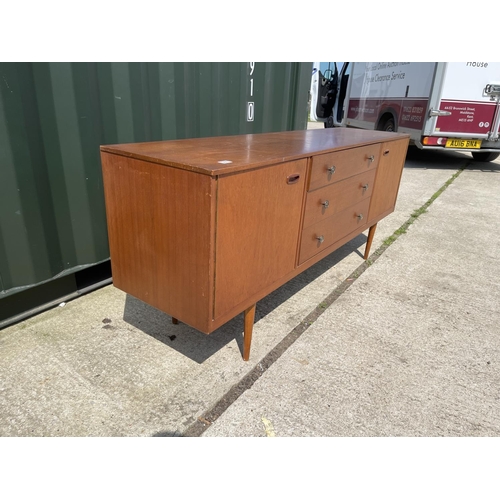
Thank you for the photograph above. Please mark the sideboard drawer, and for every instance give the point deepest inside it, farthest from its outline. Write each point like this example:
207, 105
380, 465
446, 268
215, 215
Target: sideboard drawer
324, 233
333, 167
329, 200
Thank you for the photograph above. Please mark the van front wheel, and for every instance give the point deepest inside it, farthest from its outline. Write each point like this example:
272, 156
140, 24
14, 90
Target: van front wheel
485, 156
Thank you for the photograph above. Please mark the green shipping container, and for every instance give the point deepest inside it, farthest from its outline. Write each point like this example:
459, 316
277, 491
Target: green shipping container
54, 117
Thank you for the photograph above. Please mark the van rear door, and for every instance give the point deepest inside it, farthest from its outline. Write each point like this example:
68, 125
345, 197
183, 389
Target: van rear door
464, 111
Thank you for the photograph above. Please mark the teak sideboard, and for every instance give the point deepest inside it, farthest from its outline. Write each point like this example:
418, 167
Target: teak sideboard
204, 228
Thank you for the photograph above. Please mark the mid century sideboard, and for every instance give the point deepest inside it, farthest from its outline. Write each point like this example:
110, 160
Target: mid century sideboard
204, 228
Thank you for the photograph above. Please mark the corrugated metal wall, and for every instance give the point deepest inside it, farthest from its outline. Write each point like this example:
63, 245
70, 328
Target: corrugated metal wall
54, 117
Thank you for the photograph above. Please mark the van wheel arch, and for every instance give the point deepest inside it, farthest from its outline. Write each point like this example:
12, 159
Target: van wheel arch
387, 122
484, 156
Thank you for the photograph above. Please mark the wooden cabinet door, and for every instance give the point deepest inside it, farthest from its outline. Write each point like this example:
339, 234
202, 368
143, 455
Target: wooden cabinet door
160, 226
389, 170
258, 225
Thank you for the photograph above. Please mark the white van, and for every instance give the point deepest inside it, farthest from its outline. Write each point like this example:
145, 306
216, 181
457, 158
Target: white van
452, 106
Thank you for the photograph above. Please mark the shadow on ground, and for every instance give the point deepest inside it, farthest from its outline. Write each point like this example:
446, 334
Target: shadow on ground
199, 346
442, 159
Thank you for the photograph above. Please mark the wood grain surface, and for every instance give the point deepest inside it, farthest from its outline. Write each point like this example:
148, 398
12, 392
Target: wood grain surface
204, 228
346, 163
258, 226
247, 151
332, 229
329, 200
388, 177
160, 225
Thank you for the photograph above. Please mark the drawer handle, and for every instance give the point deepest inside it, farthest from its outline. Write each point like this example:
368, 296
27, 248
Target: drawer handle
365, 187
331, 169
325, 203
320, 239
293, 178
360, 217
371, 158
386, 152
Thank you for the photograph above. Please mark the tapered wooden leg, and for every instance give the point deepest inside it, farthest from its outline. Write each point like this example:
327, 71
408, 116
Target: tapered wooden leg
371, 234
175, 321
247, 337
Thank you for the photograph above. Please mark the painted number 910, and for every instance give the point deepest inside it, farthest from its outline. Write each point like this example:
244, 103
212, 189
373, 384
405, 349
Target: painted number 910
251, 103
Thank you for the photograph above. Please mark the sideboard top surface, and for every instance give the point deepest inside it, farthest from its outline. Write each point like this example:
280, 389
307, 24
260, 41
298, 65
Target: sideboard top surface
224, 155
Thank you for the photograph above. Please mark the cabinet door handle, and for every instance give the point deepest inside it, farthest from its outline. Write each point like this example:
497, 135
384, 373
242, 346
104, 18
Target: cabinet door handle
371, 158
325, 203
360, 217
365, 187
293, 178
331, 169
386, 152
320, 239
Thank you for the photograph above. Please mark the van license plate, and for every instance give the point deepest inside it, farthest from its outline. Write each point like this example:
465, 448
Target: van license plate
463, 143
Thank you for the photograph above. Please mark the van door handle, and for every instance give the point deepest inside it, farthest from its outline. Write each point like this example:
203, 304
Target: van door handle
439, 112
